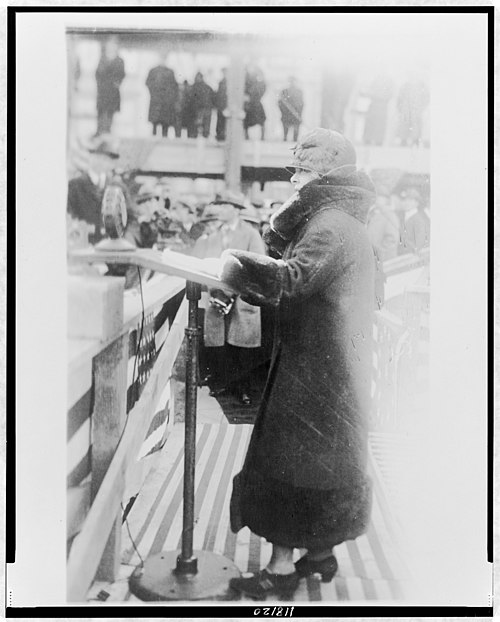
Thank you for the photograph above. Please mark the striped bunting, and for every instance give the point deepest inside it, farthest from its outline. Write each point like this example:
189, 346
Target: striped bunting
80, 392
370, 568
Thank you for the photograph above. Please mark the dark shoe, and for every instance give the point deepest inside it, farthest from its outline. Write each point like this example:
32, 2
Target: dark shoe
245, 399
263, 583
326, 567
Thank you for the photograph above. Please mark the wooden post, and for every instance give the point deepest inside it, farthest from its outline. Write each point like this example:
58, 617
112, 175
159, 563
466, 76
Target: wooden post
108, 421
234, 127
110, 409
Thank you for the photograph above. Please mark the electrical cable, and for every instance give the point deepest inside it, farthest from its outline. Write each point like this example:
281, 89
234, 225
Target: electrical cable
133, 385
132, 539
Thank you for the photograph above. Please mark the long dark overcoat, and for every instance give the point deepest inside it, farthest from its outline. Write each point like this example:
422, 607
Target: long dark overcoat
164, 91
109, 76
311, 431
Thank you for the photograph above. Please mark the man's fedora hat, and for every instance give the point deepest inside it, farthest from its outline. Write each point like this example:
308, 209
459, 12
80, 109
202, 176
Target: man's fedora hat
105, 148
233, 198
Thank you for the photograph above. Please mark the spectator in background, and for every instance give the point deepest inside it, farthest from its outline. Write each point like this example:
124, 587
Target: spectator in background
291, 104
255, 87
163, 90
221, 105
232, 328
141, 229
418, 229
109, 76
202, 102
184, 116
415, 222
86, 191
383, 228
183, 230
379, 93
413, 99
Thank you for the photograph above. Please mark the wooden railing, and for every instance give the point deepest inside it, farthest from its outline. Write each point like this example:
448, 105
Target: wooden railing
117, 426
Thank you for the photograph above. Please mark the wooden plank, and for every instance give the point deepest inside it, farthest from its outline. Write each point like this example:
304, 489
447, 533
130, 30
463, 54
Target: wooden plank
88, 546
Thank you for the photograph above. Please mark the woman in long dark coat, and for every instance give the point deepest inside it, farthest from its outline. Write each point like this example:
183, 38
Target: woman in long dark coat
304, 482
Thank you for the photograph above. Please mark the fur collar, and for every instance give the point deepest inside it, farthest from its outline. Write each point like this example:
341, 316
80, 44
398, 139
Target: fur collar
349, 191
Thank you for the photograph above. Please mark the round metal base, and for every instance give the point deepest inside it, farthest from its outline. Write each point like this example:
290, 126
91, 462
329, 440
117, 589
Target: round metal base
115, 245
159, 580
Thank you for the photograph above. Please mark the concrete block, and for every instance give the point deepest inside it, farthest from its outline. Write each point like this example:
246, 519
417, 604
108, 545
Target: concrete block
95, 307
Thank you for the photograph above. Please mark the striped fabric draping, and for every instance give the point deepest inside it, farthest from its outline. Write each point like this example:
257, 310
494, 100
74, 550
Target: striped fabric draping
140, 363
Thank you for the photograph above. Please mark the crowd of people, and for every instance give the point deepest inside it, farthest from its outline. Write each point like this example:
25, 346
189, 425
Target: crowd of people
188, 107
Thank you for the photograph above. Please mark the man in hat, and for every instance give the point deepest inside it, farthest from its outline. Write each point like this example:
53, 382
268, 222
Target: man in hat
291, 104
86, 191
163, 90
232, 327
183, 230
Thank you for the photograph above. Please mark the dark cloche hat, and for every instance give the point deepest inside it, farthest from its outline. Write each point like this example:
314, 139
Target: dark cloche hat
321, 151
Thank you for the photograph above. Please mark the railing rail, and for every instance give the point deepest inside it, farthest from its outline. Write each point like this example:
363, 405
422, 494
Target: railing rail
97, 542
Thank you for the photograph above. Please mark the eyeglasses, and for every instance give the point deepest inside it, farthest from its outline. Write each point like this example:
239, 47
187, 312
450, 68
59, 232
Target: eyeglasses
298, 169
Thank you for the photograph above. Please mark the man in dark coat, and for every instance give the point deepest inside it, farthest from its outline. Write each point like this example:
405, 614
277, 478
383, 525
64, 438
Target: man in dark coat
291, 104
86, 191
184, 117
164, 91
304, 482
202, 99
109, 75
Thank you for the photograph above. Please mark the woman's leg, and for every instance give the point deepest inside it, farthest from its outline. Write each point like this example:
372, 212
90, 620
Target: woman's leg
281, 561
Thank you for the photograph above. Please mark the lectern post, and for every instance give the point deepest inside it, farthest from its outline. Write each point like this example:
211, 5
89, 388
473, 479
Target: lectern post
186, 562
188, 575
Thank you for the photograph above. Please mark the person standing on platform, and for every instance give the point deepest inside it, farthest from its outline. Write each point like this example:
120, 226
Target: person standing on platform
304, 482
164, 91
291, 104
202, 101
85, 192
109, 76
255, 87
232, 328
221, 105
181, 109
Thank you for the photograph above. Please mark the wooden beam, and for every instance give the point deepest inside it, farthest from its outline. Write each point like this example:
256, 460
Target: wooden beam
89, 544
108, 421
234, 126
